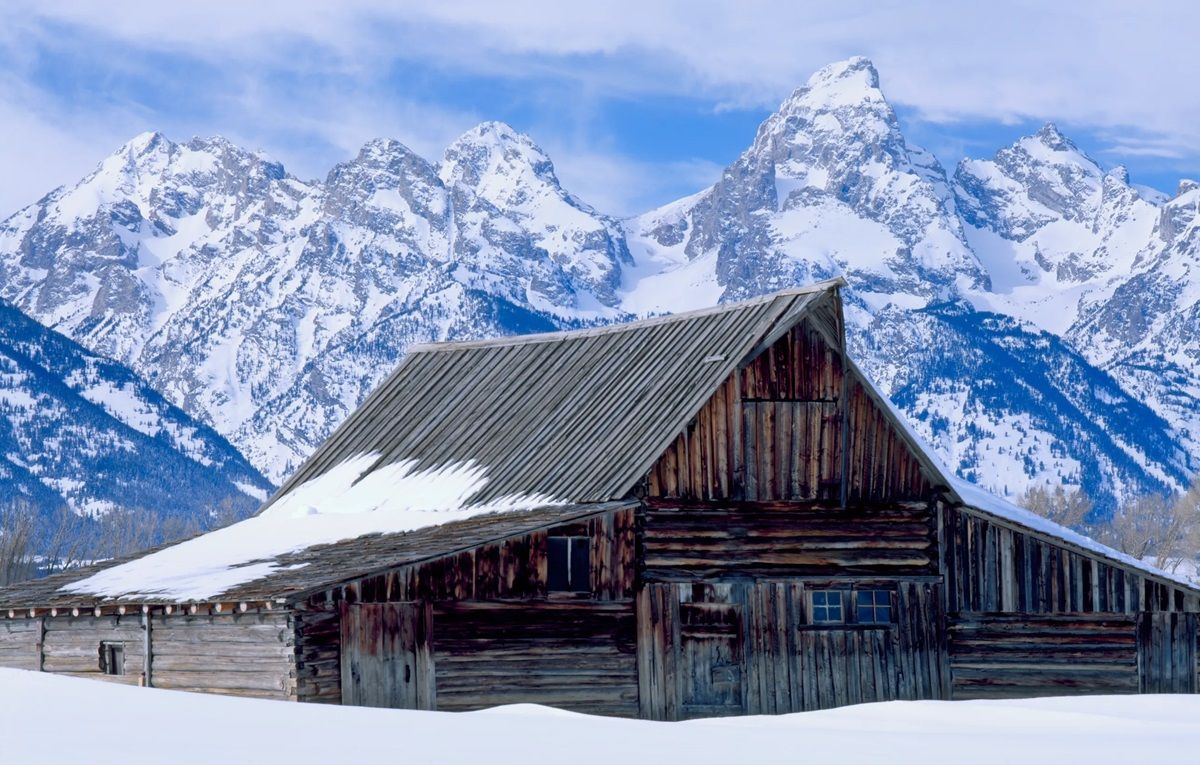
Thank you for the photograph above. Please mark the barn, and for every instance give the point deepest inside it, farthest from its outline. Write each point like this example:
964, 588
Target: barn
712, 513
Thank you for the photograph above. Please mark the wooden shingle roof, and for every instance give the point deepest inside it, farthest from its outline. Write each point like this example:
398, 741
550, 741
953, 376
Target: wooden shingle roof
579, 416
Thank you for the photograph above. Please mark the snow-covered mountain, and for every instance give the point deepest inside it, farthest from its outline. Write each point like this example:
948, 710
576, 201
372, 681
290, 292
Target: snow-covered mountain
1054, 305
1033, 239
80, 430
268, 306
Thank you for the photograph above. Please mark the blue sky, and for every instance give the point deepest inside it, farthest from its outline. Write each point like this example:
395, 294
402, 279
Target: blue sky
637, 102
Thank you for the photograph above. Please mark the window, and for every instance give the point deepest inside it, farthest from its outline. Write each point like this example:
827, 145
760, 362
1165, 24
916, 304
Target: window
112, 658
827, 607
873, 607
569, 569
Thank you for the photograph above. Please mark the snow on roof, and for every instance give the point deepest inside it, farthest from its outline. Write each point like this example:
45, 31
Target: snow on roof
983, 500
348, 501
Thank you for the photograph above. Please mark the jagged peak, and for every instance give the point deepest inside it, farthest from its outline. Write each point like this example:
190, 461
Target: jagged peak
843, 83
1053, 138
1118, 174
490, 145
1186, 186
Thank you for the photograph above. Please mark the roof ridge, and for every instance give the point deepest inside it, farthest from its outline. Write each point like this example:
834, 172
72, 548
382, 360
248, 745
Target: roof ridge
627, 326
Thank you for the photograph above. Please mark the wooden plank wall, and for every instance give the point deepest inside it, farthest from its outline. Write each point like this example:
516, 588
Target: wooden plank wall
577, 655
786, 663
774, 430
990, 567
72, 645
1026, 655
248, 654
513, 570
19, 640
701, 540
1167, 652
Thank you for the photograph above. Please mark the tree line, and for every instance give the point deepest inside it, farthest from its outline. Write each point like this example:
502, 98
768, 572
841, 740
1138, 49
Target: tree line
34, 543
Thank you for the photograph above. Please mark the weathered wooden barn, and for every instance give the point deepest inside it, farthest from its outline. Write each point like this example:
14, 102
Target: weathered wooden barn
737, 523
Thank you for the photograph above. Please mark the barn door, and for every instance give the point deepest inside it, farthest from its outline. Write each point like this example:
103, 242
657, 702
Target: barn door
386, 655
1167, 652
711, 652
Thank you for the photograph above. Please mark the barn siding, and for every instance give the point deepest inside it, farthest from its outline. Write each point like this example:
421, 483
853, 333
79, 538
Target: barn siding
72, 645
248, 654
573, 655
1026, 655
510, 576
690, 541
19, 640
747, 647
992, 567
774, 430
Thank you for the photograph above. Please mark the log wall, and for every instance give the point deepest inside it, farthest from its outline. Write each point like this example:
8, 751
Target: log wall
1026, 655
572, 655
19, 639
775, 431
248, 654
72, 646
682, 541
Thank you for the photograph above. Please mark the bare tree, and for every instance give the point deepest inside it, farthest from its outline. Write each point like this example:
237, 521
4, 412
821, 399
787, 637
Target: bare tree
1066, 508
17, 561
1164, 530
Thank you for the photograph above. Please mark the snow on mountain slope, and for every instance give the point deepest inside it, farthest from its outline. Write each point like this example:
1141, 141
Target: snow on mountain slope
1006, 405
1052, 227
81, 430
234, 287
269, 306
1146, 333
829, 186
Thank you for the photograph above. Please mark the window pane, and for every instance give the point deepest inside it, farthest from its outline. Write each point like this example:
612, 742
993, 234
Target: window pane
827, 607
557, 571
873, 607
580, 564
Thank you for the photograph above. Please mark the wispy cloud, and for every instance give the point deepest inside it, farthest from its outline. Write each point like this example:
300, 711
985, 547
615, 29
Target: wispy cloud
310, 81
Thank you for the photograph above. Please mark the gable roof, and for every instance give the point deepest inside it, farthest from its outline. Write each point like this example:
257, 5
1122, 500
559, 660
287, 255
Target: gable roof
578, 416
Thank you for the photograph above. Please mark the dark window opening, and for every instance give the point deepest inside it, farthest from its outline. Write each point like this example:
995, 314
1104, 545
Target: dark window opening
569, 564
827, 607
873, 607
112, 658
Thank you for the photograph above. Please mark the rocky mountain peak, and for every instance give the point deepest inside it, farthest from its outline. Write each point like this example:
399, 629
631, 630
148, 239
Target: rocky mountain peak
492, 158
852, 82
1053, 138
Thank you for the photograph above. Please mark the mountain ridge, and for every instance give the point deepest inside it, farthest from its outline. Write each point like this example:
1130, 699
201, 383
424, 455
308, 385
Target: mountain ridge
269, 306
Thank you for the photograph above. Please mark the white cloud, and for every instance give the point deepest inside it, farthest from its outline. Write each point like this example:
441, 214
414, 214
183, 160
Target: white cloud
1103, 65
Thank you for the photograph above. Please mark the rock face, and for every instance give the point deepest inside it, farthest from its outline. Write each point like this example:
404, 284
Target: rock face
268, 307
82, 431
1053, 305
829, 186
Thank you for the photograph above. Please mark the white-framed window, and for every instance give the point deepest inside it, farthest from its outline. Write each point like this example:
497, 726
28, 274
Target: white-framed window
873, 606
827, 607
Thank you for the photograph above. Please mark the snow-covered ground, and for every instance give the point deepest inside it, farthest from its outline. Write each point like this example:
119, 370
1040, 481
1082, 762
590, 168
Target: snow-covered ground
51, 719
